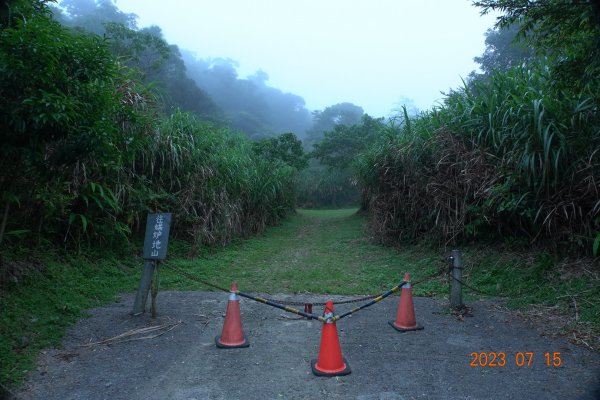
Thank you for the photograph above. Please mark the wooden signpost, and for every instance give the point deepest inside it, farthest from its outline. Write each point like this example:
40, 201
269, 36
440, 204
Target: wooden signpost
155, 250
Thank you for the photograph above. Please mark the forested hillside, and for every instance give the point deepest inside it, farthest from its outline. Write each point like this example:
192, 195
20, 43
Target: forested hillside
211, 89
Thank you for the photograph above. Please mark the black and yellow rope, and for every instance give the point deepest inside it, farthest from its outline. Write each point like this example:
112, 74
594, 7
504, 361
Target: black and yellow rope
309, 315
282, 307
374, 301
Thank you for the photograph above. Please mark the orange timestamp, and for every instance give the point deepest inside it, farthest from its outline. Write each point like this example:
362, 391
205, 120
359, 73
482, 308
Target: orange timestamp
520, 358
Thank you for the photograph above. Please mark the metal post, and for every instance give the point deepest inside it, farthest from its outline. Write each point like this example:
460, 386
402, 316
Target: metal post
455, 283
139, 306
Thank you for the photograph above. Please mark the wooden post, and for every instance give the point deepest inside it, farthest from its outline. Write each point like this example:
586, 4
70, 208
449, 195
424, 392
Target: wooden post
155, 283
139, 306
455, 283
156, 240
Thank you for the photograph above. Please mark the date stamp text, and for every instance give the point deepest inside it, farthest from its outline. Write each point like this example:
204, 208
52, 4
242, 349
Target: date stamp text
519, 359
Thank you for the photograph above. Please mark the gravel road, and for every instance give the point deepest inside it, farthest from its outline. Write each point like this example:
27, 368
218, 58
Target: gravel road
184, 363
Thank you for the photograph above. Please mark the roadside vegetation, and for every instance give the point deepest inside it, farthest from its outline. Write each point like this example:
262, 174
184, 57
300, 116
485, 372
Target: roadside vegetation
87, 150
90, 146
513, 155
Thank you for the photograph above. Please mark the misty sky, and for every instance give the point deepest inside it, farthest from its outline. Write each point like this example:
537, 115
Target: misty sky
371, 53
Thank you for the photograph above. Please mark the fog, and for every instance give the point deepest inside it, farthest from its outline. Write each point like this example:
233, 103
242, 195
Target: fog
251, 105
370, 53
276, 67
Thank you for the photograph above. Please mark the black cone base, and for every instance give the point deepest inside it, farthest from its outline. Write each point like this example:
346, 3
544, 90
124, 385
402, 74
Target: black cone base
416, 328
228, 346
313, 366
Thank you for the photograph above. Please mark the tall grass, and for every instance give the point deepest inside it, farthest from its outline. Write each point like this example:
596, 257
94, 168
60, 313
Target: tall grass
506, 156
212, 181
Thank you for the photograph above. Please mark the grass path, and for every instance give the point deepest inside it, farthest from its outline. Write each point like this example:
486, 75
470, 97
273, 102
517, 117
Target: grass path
323, 251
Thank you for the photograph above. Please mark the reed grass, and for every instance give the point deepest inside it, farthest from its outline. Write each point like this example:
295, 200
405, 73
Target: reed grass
509, 156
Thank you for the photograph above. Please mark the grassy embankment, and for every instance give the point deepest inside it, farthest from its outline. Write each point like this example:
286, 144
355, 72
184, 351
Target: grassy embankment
313, 251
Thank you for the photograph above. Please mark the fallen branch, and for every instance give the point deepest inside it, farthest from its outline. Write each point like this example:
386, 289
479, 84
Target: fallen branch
121, 338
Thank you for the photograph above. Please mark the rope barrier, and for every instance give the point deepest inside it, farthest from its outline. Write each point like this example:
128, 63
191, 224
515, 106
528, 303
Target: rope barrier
284, 305
281, 306
317, 317
436, 274
471, 287
321, 304
374, 301
195, 278
358, 300
284, 302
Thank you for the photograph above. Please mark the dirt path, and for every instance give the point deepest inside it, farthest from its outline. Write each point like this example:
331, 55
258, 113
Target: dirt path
184, 362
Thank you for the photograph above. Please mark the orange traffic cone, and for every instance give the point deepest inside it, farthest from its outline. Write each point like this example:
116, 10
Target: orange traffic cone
330, 361
405, 317
232, 335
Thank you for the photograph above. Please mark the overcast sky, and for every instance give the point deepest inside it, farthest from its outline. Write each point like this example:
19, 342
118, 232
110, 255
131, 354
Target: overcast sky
371, 53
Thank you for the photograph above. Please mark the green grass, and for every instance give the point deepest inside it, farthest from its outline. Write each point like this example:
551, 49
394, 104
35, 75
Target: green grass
538, 279
322, 251
325, 251
35, 314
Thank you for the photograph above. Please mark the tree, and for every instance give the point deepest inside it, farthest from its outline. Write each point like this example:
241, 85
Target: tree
64, 122
343, 144
92, 15
144, 50
13, 10
285, 148
54, 84
180, 91
503, 50
568, 31
339, 114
